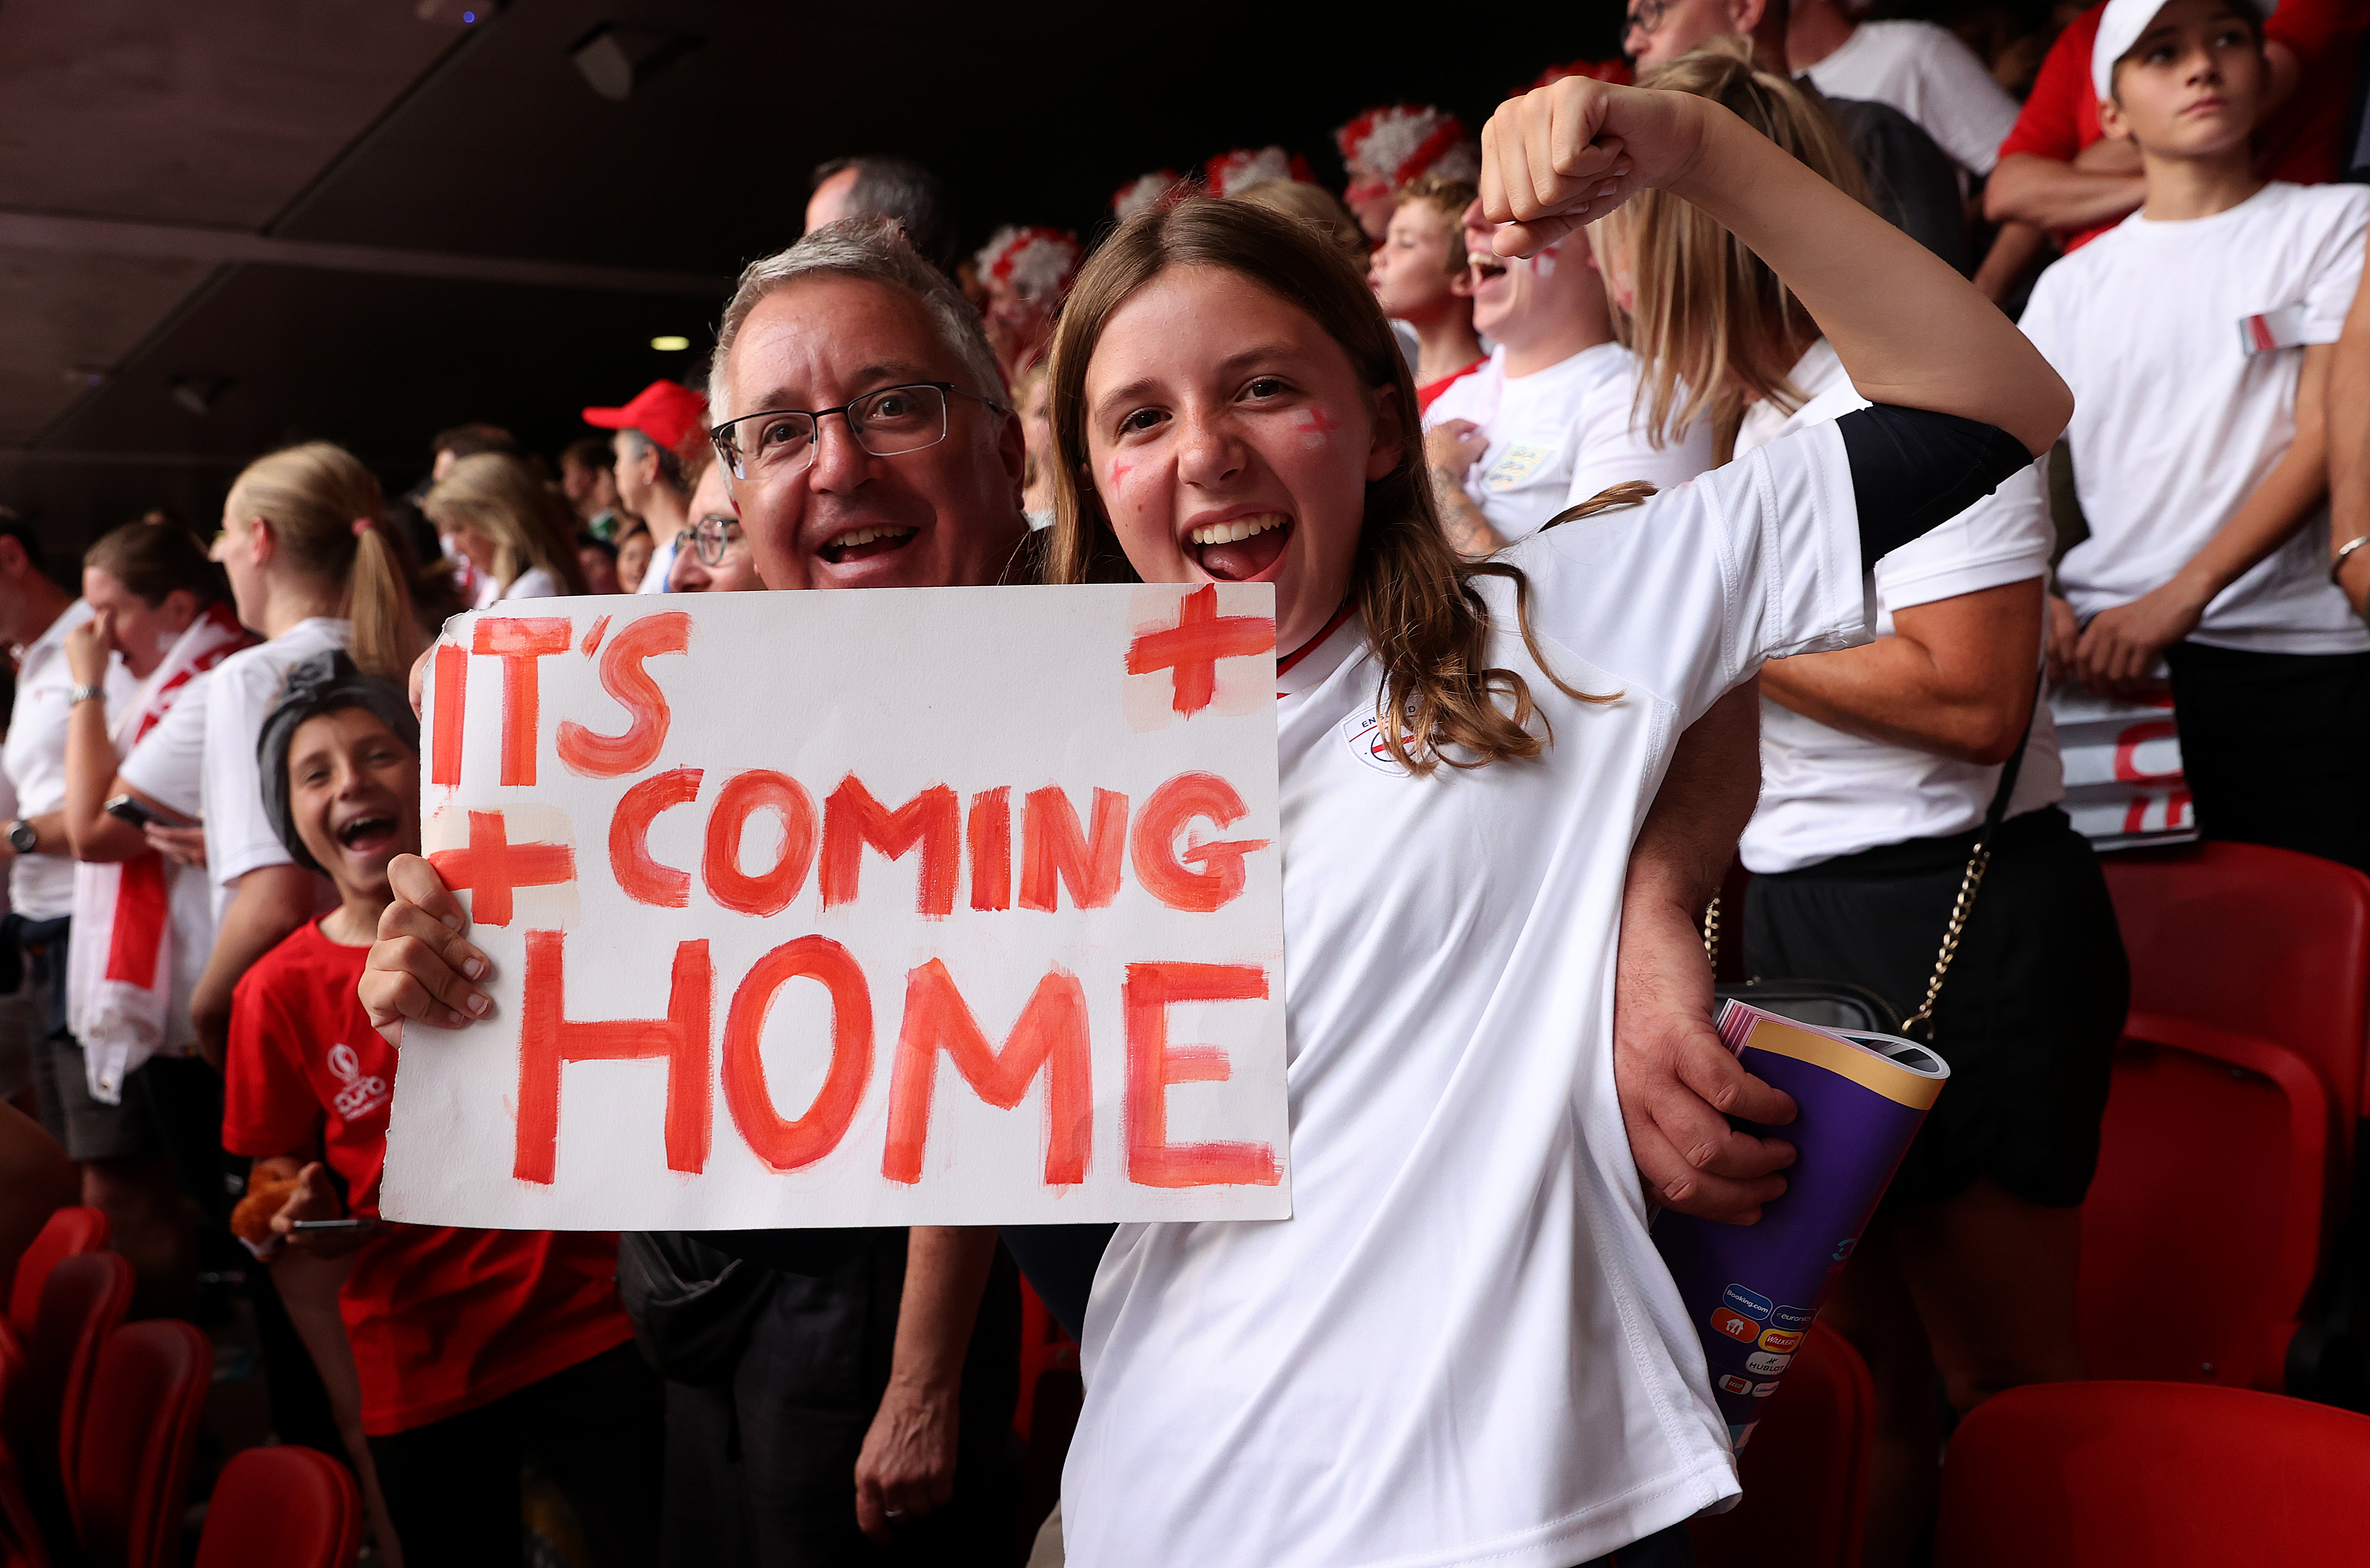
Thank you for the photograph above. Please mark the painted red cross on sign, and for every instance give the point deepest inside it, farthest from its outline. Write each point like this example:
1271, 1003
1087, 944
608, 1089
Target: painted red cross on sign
492, 867
1191, 648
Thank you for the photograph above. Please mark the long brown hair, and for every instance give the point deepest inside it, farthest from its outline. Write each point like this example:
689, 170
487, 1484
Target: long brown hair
502, 497
1710, 318
327, 513
1428, 625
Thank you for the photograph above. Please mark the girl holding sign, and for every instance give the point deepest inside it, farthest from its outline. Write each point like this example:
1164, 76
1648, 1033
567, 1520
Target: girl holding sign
1462, 1347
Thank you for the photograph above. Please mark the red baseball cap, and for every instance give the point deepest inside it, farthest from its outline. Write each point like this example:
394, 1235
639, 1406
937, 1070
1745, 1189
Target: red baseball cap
668, 412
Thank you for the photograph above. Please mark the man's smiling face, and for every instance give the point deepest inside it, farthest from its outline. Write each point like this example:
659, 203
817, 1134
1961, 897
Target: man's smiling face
947, 515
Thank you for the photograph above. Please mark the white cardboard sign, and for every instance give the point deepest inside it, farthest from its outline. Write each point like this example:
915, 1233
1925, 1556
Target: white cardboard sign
940, 906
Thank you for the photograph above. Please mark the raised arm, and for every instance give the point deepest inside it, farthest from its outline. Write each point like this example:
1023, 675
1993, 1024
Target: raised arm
1911, 332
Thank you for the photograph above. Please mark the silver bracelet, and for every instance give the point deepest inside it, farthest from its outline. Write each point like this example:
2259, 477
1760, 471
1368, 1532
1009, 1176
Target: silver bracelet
2337, 562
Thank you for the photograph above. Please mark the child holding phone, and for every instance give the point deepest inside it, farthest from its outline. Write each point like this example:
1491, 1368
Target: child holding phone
472, 1348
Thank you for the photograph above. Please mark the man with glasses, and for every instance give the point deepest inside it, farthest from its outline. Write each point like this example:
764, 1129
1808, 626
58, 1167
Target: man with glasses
716, 557
1911, 181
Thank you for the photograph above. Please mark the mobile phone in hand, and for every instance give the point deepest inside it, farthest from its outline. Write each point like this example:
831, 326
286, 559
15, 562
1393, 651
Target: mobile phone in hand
351, 1223
123, 807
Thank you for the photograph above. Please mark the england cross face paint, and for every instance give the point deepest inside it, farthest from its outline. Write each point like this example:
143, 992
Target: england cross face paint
1316, 427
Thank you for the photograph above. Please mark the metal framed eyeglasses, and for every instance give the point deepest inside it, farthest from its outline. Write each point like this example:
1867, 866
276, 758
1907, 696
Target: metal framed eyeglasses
887, 423
1646, 16
711, 536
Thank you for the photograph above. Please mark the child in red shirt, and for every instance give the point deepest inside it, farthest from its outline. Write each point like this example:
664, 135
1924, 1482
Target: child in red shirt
1418, 275
475, 1348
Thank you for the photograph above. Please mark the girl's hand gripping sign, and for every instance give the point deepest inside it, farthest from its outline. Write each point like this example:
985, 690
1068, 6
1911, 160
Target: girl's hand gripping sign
940, 906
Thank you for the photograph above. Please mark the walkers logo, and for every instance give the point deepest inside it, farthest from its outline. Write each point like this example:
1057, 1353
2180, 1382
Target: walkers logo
361, 1093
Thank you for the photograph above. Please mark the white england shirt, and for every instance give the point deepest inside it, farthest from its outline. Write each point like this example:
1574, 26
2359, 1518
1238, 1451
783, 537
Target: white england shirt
1462, 1348
1826, 792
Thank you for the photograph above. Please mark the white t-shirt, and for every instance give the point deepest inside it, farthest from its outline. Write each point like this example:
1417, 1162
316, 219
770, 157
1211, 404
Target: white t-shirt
1825, 792
240, 696
1558, 436
2176, 423
1462, 1348
41, 886
533, 583
168, 765
1928, 74
654, 578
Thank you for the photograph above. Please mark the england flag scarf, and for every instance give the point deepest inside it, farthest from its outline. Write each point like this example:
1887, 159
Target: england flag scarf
143, 927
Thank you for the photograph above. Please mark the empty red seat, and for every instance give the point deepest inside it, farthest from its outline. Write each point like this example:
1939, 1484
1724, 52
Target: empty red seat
284, 1508
2164, 1475
83, 1301
20, 1531
69, 1232
1806, 1469
130, 1469
2229, 1132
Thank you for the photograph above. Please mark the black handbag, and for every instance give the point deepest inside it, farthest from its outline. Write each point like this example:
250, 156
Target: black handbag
691, 1305
1839, 1005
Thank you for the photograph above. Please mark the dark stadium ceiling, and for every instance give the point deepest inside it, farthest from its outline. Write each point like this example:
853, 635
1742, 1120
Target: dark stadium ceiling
229, 225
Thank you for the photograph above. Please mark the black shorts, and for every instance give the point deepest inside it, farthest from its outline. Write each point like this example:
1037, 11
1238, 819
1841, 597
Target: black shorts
2276, 747
2028, 1019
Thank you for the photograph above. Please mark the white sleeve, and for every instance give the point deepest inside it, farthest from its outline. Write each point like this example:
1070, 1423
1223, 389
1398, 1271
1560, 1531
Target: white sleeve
2339, 274
2005, 537
1696, 589
1614, 450
168, 765
1969, 113
239, 838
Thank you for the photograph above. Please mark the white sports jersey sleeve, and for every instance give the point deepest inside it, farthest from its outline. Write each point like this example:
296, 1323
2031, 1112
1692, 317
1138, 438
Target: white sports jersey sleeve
1753, 561
168, 765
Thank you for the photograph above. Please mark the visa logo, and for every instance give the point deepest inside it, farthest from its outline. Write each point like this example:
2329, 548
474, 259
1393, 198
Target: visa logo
1750, 1303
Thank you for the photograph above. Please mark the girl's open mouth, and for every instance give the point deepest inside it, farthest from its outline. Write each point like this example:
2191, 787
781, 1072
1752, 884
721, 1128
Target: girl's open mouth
1242, 548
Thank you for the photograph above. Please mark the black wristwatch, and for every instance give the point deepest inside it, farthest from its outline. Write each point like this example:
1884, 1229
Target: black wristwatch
21, 837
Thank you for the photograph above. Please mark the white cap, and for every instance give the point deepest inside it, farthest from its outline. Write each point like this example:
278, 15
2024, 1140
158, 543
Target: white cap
2121, 22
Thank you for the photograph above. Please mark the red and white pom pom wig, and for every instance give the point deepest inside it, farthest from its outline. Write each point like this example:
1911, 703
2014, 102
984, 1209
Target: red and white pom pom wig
1401, 142
1037, 263
1232, 173
1143, 194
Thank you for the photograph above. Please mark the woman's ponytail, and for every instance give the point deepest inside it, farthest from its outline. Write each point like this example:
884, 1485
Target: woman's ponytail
378, 601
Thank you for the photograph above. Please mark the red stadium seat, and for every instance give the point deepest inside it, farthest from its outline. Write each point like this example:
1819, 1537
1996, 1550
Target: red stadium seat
2165, 1475
83, 1301
284, 1508
130, 1469
70, 1233
21, 1532
1806, 1470
2229, 1134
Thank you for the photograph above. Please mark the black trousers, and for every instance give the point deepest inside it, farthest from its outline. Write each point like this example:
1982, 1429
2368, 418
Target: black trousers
761, 1468
2277, 746
452, 1486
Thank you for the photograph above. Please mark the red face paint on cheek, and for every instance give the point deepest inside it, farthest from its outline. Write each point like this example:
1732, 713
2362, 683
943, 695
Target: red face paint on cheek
1119, 473
1314, 426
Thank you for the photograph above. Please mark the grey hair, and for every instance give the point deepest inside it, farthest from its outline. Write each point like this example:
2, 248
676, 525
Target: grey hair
875, 250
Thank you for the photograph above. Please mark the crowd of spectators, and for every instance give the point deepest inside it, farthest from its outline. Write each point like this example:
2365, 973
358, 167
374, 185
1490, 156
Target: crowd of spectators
212, 768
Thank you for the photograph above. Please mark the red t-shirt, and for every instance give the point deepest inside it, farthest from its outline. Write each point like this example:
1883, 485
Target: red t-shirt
1431, 389
2298, 144
442, 1320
